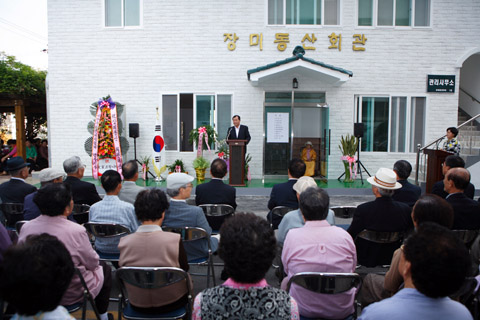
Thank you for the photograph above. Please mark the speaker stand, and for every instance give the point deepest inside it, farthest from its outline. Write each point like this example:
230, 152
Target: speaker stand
359, 164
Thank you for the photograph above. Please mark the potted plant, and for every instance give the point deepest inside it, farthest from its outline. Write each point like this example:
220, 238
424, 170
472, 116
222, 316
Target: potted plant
222, 149
208, 137
200, 164
145, 161
247, 166
177, 166
348, 147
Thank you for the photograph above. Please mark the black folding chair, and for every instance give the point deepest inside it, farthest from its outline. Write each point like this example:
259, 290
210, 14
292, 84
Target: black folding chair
106, 230
216, 214
13, 212
279, 211
327, 283
190, 234
151, 279
81, 213
87, 297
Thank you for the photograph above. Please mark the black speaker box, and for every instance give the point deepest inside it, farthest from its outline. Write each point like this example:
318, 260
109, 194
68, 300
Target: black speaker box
358, 130
134, 130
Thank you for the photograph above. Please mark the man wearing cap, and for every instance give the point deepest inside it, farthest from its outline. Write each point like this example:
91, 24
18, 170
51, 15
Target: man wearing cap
382, 214
83, 192
15, 190
180, 214
47, 176
319, 247
294, 219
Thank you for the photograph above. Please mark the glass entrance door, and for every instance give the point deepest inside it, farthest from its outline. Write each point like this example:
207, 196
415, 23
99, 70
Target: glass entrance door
291, 120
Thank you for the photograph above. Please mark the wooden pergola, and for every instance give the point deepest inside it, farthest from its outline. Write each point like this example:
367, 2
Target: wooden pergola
22, 106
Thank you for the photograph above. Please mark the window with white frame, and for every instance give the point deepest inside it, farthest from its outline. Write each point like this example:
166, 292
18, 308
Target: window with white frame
391, 123
186, 111
399, 13
304, 12
122, 13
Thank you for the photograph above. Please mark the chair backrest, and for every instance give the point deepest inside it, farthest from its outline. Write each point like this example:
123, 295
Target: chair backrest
344, 212
106, 230
191, 202
81, 213
467, 236
13, 212
189, 233
326, 283
381, 236
281, 210
217, 209
152, 277
19, 225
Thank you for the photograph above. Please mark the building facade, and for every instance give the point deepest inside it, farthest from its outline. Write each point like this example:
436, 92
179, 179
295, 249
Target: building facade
358, 61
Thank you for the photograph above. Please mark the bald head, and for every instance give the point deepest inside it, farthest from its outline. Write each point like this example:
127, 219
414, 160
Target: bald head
456, 180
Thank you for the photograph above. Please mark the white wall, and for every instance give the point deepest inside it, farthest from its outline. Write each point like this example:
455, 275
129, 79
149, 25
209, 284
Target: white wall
180, 49
470, 82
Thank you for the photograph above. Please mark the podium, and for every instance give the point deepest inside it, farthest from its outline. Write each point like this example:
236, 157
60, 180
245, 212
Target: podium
434, 166
237, 162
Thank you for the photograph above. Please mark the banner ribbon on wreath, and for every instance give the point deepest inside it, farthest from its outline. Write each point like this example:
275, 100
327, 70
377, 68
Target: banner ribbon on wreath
114, 134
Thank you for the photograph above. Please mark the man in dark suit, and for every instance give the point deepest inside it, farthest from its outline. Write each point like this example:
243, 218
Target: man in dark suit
83, 192
452, 162
238, 131
382, 214
466, 211
215, 191
16, 188
283, 194
408, 193
180, 214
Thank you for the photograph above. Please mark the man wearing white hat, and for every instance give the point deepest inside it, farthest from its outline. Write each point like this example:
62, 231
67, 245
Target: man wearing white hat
47, 176
382, 214
180, 214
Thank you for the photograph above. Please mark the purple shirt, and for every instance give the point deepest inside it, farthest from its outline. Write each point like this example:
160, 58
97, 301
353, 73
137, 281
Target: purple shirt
319, 247
75, 239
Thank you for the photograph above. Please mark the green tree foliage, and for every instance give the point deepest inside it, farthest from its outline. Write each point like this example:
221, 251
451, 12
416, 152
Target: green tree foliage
18, 78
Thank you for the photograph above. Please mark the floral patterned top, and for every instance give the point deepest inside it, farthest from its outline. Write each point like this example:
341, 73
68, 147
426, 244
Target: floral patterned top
230, 301
452, 146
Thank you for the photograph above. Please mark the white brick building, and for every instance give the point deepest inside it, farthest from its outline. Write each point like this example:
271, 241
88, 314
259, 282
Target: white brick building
174, 56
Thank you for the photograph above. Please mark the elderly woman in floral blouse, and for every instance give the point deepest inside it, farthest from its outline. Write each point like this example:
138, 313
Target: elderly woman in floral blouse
452, 144
247, 246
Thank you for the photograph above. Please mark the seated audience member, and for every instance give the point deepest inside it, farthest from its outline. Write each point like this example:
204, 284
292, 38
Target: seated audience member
283, 194
56, 203
466, 211
247, 246
47, 176
382, 214
433, 264
149, 246
408, 193
215, 191
12, 150
452, 162
16, 188
452, 144
429, 208
31, 155
112, 210
42, 159
294, 219
35, 289
180, 214
83, 192
130, 190
319, 247
5, 241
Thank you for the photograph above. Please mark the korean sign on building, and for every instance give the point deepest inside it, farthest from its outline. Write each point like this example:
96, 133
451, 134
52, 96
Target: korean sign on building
441, 83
